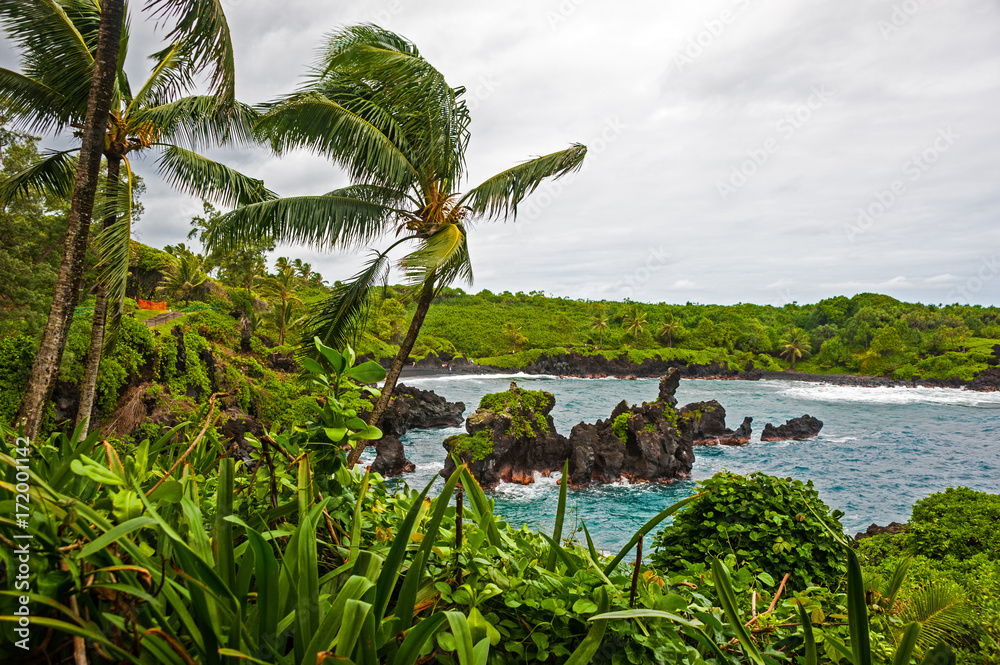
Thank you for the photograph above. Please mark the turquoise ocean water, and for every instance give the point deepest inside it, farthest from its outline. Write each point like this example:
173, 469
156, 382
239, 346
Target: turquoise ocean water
880, 450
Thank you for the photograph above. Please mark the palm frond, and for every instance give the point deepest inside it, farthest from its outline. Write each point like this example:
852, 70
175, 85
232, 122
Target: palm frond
499, 196
113, 244
339, 319
55, 40
197, 120
207, 179
32, 105
383, 196
320, 221
52, 175
436, 121
317, 123
202, 27
941, 610
171, 76
444, 255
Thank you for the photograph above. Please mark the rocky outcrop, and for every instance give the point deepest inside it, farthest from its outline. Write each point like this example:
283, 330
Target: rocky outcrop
513, 437
390, 459
413, 407
509, 439
989, 379
410, 408
707, 423
802, 427
876, 530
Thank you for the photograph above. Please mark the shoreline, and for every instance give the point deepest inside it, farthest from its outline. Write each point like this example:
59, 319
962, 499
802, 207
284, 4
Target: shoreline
463, 368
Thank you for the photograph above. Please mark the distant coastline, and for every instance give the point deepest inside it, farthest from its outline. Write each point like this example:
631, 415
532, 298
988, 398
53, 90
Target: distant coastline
988, 381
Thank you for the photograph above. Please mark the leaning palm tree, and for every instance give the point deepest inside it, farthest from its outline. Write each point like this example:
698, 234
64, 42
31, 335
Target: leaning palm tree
71, 76
160, 115
600, 324
795, 346
374, 106
281, 289
670, 329
635, 322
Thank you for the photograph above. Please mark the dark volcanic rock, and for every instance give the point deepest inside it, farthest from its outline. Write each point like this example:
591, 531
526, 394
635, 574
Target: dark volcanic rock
988, 380
802, 427
282, 362
707, 423
513, 442
876, 530
391, 458
412, 407
652, 447
596, 366
235, 425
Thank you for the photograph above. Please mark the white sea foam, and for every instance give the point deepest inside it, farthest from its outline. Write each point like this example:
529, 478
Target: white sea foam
825, 392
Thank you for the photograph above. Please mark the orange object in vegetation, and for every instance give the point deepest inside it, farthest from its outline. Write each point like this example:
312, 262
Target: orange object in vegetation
149, 304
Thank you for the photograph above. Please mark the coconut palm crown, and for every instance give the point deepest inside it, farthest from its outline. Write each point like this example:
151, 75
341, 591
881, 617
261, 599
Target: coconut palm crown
374, 106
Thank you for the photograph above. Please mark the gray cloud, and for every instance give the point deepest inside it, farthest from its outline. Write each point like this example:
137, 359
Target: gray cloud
693, 94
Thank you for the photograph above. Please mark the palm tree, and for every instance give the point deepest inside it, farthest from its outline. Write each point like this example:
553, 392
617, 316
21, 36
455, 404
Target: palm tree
635, 322
73, 78
155, 116
280, 287
304, 270
600, 324
670, 329
795, 345
514, 331
184, 276
378, 109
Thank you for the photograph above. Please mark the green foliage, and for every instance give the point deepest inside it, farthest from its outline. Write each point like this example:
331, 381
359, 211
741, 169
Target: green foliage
525, 408
771, 525
478, 446
17, 353
958, 522
620, 426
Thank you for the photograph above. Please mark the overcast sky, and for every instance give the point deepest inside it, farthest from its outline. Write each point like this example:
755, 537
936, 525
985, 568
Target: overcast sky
740, 150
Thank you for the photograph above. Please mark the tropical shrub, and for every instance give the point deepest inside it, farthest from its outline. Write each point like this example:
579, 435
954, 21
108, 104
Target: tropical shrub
772, 525
958, 522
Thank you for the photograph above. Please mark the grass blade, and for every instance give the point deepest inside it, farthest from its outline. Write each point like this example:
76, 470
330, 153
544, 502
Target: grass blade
724, 586
590, 543
409, 650
356, 522
463, 637
907, 643
646, 528
550, 564
808, 638
857, 611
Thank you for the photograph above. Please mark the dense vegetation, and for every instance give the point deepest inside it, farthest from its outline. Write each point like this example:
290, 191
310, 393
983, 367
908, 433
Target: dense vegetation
169, 552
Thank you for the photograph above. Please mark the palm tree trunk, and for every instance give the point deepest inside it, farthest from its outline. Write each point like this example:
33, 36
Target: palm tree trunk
423, 304
88, 388
67, 289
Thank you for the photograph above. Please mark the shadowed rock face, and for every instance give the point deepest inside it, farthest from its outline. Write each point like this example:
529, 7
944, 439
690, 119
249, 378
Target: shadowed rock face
516, 439
707, 421
802, 427
876, 530
391, 458
410, 408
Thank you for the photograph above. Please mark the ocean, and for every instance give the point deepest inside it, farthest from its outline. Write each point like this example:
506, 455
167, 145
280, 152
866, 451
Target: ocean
881, 449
